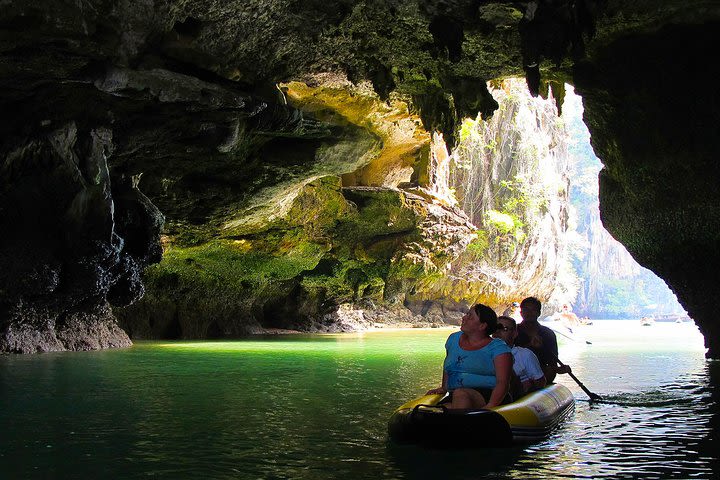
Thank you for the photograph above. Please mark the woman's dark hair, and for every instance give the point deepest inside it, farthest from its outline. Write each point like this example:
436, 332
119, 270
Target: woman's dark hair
487, 315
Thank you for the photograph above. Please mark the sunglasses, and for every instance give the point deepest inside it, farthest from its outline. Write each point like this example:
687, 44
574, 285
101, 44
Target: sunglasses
503, 328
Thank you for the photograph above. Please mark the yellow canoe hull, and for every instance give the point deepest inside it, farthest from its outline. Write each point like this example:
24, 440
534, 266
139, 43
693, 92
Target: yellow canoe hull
530, 418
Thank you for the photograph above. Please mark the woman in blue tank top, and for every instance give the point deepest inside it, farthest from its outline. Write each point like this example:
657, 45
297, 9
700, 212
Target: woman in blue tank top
477, 367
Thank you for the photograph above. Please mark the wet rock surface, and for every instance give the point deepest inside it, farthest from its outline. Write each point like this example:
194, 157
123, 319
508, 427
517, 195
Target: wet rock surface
339, 254
34, 329
124, 120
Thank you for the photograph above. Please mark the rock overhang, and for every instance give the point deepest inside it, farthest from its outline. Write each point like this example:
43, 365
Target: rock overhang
141, 71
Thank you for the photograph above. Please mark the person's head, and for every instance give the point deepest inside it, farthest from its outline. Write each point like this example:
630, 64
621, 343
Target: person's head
482, 314
530, 308
506, 330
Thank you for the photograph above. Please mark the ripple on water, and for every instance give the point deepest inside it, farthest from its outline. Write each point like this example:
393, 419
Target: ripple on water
653, 434
318, 408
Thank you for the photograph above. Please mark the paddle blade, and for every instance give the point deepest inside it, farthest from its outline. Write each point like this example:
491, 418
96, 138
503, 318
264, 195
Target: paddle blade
594, 397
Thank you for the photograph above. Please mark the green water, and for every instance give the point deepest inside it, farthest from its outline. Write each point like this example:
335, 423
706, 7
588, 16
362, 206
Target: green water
316, 407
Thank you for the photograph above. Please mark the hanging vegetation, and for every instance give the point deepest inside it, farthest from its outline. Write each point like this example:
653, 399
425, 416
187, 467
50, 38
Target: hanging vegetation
510, 174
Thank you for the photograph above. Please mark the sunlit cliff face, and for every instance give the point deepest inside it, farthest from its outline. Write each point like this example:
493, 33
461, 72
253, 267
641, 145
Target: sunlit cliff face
132, 120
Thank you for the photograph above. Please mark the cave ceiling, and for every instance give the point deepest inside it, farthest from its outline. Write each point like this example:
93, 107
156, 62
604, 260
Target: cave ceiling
121, 117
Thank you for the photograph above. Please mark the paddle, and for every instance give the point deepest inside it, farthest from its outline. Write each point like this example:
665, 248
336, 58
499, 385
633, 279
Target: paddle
558, 332
594, 397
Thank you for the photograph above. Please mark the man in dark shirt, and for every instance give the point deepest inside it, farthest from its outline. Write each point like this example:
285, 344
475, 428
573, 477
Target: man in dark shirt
539, 338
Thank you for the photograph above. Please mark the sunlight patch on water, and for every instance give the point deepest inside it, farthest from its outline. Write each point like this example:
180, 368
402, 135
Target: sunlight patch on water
395, 342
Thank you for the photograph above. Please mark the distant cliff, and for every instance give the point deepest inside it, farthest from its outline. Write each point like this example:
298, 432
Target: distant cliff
511, 174
613, 284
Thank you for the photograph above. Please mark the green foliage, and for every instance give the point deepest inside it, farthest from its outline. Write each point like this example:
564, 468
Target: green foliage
507, 185
228, 265
502, 222
479, 246
505, 224
491, 145
348, 281
516, 198
524, 198
506, 233
467, 129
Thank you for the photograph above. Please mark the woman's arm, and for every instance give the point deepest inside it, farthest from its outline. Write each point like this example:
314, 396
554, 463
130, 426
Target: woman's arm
538, 383
534, 371
443, 385
528, 385
503, 367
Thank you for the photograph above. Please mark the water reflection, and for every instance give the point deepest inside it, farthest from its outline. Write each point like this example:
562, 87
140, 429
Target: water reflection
418, 462
317, 407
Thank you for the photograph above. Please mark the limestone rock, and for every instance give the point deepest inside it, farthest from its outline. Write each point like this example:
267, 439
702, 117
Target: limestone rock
30, 330
186, 94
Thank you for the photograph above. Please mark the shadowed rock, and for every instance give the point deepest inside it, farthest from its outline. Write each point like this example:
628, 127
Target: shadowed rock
181, 101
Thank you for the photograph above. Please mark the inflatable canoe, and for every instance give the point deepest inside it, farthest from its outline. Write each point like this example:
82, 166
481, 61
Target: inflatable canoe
530, 418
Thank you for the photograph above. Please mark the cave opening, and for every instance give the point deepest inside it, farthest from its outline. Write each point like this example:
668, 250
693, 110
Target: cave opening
527, 178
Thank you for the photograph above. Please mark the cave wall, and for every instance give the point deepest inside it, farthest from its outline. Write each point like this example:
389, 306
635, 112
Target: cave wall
66, 249
337, 246
118, 117
106, 143
652, 106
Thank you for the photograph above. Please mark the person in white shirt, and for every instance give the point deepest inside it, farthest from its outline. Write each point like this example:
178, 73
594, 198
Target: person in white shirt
526, 365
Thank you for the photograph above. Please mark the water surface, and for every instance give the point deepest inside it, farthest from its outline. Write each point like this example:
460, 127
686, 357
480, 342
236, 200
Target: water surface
316, 407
